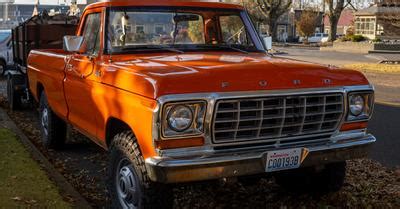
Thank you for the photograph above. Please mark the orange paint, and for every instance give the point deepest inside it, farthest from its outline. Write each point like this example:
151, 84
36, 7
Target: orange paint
179, 143
354, 126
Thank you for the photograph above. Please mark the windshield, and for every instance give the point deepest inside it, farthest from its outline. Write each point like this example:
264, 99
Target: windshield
168, 28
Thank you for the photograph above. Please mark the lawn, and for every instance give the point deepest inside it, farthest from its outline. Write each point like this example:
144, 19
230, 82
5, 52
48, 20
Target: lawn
23, 184
383, 68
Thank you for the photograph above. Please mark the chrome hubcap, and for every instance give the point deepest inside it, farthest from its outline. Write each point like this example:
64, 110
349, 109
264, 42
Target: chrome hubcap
45, 121
126, 186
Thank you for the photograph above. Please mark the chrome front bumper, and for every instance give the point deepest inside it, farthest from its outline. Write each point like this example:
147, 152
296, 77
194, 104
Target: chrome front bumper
252, 161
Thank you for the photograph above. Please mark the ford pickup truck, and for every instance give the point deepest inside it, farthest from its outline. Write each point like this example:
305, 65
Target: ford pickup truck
184, 91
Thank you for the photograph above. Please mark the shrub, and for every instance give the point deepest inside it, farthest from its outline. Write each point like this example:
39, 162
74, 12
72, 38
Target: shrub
357, 38
377, 40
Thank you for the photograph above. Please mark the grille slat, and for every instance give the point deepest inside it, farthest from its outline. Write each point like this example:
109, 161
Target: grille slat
274, 118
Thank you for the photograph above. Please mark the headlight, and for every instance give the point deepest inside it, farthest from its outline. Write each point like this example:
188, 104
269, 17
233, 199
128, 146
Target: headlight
183, 119
360, 105
356, 104
180, 118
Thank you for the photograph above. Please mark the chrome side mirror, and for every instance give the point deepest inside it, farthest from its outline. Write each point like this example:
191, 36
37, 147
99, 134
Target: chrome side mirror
267, 42
72, 43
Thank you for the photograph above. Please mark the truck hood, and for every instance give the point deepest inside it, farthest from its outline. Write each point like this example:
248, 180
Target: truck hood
156, 75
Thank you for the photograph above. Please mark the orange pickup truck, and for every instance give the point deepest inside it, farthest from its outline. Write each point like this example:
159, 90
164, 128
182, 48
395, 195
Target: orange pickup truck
182, 91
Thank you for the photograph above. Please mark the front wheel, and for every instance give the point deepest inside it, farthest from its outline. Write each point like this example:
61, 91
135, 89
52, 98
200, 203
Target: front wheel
128, 182
329, 179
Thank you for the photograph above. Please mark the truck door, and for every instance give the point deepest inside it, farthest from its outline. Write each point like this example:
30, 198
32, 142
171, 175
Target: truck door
80, 79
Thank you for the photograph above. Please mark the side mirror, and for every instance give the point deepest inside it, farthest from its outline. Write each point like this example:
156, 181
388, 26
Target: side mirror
267, 42
72, 43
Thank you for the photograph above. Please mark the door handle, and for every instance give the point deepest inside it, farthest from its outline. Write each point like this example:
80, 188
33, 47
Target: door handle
70, 67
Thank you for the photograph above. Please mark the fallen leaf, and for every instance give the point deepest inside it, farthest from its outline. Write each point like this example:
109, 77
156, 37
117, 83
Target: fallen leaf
17, 198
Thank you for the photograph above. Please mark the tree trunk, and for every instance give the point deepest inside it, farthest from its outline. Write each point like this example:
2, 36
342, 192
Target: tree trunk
333, 29
272, 29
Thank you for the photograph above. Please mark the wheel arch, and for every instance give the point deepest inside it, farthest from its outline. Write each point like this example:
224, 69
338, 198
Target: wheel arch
113, 127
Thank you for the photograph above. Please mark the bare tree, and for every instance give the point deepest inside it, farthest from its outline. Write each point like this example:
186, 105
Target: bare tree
389, 17
307, 23
335, 8
272, 10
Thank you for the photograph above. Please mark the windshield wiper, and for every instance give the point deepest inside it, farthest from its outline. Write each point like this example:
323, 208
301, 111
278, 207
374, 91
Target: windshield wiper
228, 46
153, 48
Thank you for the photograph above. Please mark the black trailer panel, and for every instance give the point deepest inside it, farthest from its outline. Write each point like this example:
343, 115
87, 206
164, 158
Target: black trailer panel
39, 32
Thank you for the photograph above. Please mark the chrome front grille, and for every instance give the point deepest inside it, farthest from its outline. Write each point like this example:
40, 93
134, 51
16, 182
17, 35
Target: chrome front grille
269, 119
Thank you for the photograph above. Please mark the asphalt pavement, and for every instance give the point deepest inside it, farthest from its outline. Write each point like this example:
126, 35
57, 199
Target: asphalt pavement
385, 125
313, 54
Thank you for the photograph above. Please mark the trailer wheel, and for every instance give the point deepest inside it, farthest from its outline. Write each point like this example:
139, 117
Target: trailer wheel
13, 96
128, 182
53, 128
2, 67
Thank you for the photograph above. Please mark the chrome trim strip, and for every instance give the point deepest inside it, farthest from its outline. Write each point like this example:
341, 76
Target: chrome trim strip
209, 150
230, 157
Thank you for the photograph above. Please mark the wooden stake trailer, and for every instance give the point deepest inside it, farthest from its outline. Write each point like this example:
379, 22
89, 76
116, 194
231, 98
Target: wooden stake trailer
39, 32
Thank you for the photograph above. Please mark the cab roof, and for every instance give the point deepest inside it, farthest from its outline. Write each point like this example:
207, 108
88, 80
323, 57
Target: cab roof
163, 3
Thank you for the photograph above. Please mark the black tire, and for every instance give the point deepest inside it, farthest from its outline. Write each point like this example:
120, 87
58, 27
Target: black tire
127, 172
3, 67
13, 96
329, 179
54, 129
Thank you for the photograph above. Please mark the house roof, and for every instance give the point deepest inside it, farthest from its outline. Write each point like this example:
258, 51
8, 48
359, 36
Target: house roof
346, 18
372, 10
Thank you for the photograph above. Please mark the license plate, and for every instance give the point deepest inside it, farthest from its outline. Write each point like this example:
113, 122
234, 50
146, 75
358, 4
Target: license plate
284, 159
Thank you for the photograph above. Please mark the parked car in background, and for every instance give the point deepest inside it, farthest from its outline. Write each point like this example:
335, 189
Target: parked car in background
316, 38
5, 50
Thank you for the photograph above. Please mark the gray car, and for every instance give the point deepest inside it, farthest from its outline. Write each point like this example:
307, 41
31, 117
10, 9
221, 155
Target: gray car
5, 50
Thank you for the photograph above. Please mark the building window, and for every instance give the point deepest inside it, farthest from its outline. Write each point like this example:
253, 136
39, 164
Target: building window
139, 28
159, 29
379, 30
365, 25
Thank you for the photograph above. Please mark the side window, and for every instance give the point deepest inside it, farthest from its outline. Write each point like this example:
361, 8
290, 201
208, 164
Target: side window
233, 30
91, 34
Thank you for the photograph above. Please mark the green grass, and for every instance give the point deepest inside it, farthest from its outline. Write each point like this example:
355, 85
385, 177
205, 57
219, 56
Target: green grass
23, 184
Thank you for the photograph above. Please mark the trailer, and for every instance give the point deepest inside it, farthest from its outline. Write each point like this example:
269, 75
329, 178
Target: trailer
39, 32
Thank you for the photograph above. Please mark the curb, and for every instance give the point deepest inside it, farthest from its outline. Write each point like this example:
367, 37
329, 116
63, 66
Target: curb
65, 188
